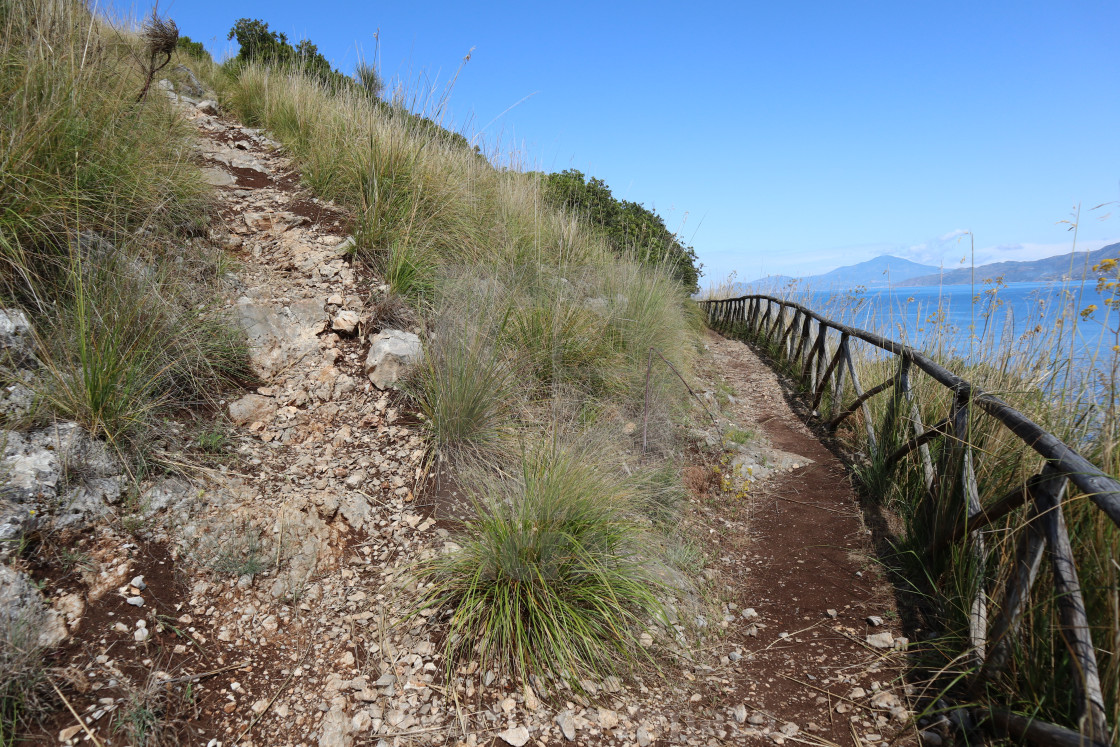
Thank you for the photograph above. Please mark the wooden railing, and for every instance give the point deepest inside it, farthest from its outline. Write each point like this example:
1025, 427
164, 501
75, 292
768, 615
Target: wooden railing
819, 351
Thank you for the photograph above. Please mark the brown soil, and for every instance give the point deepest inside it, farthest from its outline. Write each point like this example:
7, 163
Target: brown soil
805, 552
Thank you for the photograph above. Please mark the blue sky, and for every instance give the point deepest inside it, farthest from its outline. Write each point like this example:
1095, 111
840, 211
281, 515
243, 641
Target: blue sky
775, 137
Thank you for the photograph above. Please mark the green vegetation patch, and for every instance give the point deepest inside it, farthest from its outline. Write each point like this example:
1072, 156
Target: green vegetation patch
551, 577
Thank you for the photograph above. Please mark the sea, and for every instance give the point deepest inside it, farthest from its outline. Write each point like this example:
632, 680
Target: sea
969, 323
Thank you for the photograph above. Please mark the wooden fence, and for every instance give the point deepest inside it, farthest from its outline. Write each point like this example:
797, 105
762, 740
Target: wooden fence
819, 350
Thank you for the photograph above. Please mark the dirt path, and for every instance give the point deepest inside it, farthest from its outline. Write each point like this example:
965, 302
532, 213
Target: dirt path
807, 572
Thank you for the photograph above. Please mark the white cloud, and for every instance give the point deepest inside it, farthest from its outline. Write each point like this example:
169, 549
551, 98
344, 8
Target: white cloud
953, 234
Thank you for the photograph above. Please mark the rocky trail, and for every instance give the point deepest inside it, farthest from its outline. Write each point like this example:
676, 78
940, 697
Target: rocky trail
264, 600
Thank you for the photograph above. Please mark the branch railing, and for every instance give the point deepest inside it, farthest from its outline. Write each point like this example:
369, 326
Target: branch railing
803, 338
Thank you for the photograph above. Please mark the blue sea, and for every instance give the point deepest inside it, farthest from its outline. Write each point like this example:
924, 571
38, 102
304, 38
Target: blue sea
1029, 319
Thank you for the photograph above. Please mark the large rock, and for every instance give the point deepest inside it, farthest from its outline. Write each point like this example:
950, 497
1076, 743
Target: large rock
165, 493
31, 472
191, 86
87, 502
24, 617
391, 354
518, 736
345, 321
216, 177
58, 471
252, 408
281, 337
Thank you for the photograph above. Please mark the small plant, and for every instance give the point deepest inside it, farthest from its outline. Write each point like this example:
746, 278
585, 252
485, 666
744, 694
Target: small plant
369, 79
154, 715
241, 556
685, 555
70, 559
466, 395
213, 440
23, 682
409, 271
738, 436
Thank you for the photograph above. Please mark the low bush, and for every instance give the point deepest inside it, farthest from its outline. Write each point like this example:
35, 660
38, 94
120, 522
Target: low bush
551, 577
467, 395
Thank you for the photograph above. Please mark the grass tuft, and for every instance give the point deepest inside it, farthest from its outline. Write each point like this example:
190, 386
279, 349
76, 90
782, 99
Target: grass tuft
550, 577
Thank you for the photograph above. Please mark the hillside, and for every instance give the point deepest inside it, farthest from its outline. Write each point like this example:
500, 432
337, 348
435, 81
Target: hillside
318, 428
880, 271
1072, 266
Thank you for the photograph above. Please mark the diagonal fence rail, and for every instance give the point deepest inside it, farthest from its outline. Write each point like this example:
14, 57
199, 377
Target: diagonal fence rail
819, 351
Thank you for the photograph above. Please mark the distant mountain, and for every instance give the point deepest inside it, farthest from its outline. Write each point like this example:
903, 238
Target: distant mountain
884, 270
881, 271
1070, 266
895, 271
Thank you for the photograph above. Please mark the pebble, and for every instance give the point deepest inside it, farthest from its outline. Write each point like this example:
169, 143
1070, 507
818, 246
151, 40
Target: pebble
136, 601
930, 738
138, 582
532, 703
881, 640
567, 723
740, 713
608, 719
517, 736
643, 736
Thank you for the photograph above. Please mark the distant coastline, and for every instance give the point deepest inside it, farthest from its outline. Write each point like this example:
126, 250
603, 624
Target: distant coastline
889, 271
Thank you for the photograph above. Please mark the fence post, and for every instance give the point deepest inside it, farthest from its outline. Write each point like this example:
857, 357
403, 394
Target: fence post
871, 442
961, 459
838, 382
1071, 606
918, 427
812, 365
779, 321
803, 341
1027, 560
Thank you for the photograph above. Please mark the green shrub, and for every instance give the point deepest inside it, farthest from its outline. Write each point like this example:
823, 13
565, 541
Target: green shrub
467, 395
562, 340
550, 577
632, 228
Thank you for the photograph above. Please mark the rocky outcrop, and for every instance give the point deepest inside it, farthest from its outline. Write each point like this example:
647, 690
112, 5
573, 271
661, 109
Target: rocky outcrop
24, 616
58, 474
280, 338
